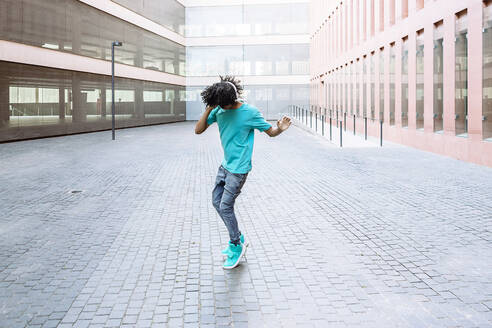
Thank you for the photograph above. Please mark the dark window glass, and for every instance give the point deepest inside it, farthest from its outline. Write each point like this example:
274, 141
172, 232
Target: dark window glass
420, 81
487, 74
37, 101
461, 77
392, 84
71, 26
404, 83
438, 79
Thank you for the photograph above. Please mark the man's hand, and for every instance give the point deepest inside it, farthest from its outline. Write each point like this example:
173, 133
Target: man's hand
284, 123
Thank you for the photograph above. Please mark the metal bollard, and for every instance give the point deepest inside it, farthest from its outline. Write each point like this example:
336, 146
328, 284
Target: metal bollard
365, 128
323, 125
340, 133
316, 122
330, 128
310, 119
381, 134
354, 124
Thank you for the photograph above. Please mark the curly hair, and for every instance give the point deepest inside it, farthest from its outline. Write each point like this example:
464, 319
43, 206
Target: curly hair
222, 93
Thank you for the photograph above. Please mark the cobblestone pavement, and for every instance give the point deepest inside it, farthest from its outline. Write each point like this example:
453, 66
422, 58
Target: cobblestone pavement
361, 237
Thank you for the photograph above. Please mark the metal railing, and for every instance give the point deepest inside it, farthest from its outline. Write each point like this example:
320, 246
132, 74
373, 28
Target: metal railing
331, 118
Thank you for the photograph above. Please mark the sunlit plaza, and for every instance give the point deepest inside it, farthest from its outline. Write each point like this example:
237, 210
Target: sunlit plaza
373, 209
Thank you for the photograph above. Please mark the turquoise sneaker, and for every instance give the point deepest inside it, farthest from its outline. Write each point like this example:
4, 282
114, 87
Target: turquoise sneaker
237, 253
227, 250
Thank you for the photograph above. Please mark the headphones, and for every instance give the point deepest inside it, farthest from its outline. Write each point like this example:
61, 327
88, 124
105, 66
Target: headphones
235, 89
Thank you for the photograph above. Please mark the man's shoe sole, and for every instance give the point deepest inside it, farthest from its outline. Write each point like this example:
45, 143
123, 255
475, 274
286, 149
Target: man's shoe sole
243, 251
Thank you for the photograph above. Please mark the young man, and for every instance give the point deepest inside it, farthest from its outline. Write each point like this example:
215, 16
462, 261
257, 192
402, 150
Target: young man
237, 121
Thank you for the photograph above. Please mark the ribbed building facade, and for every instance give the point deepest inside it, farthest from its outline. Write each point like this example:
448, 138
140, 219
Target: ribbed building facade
422, 68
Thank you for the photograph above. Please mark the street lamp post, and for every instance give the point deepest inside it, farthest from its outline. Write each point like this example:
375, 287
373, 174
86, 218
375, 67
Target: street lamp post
113, 44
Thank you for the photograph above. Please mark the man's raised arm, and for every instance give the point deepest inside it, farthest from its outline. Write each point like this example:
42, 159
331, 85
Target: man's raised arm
202, 124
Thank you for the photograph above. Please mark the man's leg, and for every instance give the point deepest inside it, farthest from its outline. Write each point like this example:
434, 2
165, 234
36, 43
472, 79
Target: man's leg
232, 189
217, 192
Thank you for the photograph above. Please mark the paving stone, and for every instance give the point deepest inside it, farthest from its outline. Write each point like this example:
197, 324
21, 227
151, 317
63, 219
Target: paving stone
352, 237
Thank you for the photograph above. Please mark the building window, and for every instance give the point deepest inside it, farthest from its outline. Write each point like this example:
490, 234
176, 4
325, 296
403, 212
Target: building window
392, 63
392, 12
373, 86
364, 21
328, 86
351, 93
420, 80
381, 15
404, 9
381, 85
404, 82
487, 73
346, 70
461, 75
438, 77
335, 90
357, 87
373, 18
341, 81
364, 87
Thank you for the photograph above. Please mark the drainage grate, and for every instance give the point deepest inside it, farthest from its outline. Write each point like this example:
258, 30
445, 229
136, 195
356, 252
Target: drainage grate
75, 191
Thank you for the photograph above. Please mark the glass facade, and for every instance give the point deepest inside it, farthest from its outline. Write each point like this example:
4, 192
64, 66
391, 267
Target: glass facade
487, 74
404, 82
271, 100
71, 26
438, 79
461, 76
282, 59
262, 59
168, 13
420, 80
252, 19
79, 101
38, 101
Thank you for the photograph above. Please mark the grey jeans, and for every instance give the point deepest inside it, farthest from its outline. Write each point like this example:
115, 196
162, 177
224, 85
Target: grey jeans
227, 187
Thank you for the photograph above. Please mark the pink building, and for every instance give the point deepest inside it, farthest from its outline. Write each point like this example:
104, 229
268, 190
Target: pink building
423, 68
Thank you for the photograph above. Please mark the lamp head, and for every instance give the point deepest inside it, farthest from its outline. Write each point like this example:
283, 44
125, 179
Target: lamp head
117, 43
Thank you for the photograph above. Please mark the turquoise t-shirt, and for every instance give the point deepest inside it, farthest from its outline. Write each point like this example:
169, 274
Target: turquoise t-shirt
237, 134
